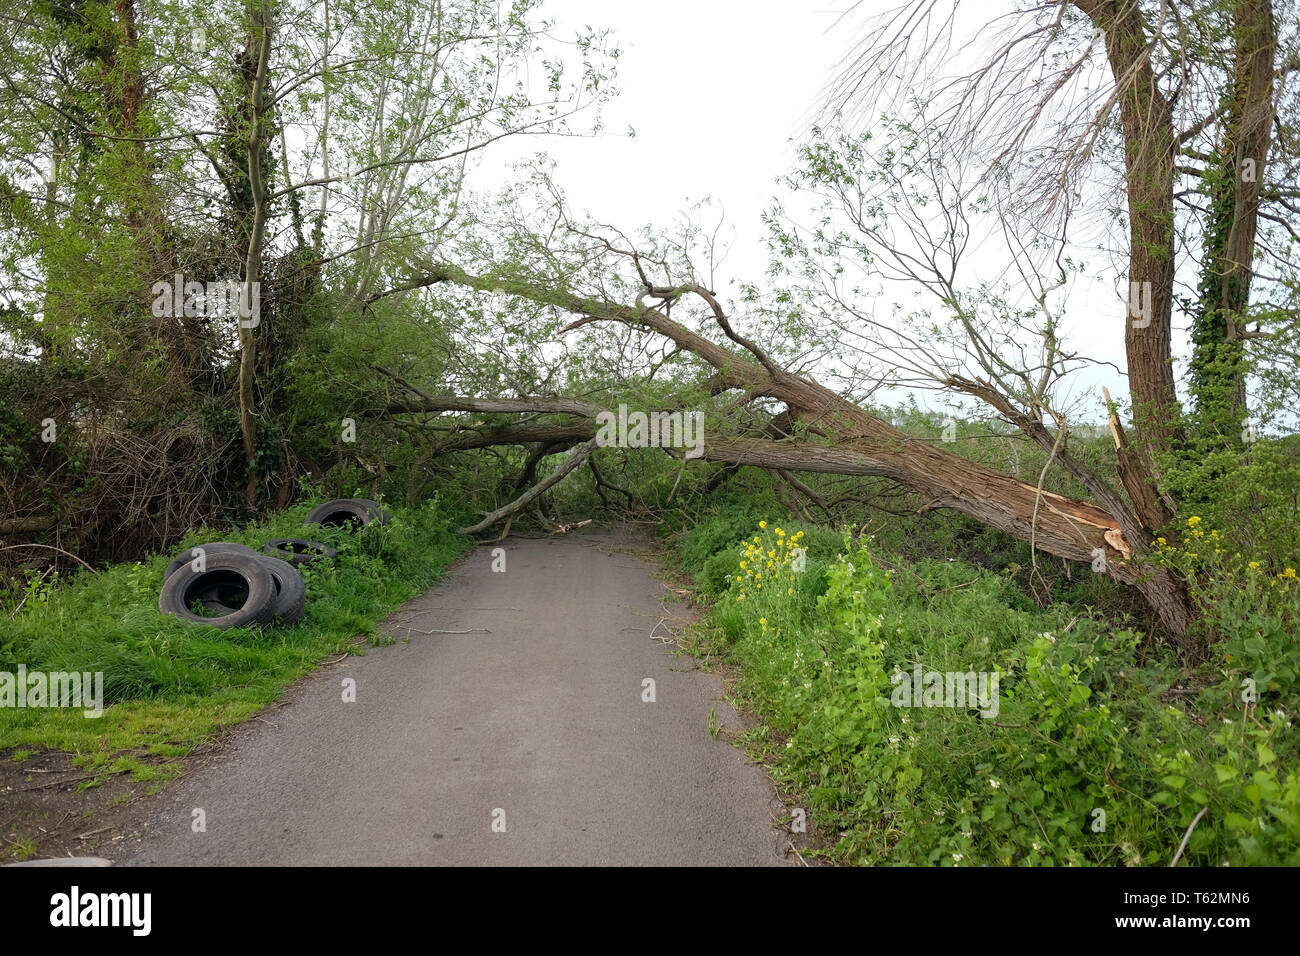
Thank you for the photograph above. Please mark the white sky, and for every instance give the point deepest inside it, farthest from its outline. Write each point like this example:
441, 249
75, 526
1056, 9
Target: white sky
715, 90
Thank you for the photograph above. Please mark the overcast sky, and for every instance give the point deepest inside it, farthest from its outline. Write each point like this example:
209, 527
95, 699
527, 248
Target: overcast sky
716, 90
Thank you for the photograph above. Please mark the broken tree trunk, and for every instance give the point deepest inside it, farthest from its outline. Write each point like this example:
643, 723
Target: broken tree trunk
850, 441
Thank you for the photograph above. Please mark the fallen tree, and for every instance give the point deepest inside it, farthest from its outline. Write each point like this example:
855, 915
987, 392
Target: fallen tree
833, 435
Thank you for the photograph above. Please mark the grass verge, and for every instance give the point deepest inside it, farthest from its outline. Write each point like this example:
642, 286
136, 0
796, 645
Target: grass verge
1098, 749
171, 684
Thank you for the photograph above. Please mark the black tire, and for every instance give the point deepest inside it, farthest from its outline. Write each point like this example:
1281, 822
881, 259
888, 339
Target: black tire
376, 509
185, 557
290, 593
299, 551
226, 572
344, 511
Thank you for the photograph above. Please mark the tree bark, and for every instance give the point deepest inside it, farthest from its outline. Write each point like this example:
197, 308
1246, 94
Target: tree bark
260, 24
1146, 116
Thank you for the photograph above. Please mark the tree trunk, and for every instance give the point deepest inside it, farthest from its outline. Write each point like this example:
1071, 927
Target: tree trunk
1218, 376
1146, 116
260, 35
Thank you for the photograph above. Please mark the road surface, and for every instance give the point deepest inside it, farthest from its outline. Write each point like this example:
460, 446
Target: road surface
530, 744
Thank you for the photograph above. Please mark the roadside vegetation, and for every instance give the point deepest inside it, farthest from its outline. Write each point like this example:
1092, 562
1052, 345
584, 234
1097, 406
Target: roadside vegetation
1104, 747
169, 684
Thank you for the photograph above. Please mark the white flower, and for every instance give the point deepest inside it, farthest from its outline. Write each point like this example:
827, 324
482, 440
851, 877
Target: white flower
956, 857
994, 784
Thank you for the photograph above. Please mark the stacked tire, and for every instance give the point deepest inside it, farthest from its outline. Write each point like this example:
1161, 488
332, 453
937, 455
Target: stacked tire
237, 586
234, 585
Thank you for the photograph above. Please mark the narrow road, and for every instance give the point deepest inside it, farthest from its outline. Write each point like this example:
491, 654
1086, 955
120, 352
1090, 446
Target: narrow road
530, 744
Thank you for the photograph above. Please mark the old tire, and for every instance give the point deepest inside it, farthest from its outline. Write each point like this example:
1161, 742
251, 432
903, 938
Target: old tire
298, 551
290, 593
185, 557
227, 572
376, 509
344, 511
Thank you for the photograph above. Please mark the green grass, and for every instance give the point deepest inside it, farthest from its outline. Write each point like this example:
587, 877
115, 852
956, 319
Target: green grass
22, 849
171, 684
1103, 750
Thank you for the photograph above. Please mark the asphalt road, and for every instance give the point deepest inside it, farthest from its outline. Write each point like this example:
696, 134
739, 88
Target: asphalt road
527, 745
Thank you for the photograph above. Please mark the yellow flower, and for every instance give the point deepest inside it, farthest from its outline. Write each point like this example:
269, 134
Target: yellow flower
790, 591
761, 524
1193, 521
741, 598
780, 533
763, 621
1254, 565
742, 564
1159, 541
1288, 573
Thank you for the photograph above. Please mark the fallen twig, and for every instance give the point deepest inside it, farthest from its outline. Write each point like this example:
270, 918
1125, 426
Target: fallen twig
1188, 835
